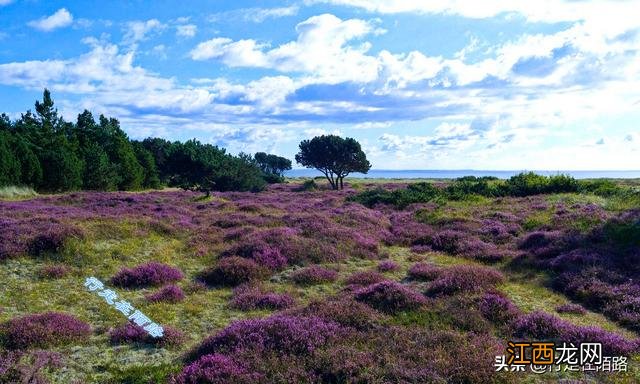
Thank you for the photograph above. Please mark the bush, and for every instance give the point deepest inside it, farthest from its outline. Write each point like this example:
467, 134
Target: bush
390, 297
216, 369
414, 193
232, 271
280, 334
53, 240
544, 326
146, 275
571, 308
54, 271
424, 271
600, 187
170, 294
43, 330
249, 298
344, 311
388, 266
130, 333
498, 309
314, 274
364, 278
21, 367
465, 278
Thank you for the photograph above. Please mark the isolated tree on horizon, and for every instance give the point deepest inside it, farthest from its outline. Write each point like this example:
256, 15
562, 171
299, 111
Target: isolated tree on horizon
334, 156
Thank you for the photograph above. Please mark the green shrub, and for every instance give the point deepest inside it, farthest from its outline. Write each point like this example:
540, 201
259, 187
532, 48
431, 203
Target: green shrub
600, 187
525, 184
414, 193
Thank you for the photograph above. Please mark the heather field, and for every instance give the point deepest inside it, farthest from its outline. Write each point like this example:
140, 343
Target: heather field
301, 284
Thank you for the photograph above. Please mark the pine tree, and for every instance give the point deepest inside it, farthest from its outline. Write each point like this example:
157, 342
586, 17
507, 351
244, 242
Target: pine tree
61, 168
9, 166
99, 173
150, 171
30, 168
121, 154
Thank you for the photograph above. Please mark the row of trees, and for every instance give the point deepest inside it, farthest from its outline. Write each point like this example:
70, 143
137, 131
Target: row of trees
44, 151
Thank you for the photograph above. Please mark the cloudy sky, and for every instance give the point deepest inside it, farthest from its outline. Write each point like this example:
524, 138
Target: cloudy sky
464, 84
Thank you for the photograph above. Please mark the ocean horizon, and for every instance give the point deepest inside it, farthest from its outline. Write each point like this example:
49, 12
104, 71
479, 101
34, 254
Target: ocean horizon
456, 173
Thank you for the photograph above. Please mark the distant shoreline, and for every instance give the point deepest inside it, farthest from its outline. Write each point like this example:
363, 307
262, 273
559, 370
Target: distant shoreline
453, 174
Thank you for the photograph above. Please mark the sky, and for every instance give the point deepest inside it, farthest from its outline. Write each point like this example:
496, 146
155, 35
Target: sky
466, 84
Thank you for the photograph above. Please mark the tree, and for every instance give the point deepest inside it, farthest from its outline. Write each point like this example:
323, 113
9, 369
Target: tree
149, 169
61, 169
193, 166
272, 166
99, 173
160, 149
9, 165
121, 154
334, 156
30, 169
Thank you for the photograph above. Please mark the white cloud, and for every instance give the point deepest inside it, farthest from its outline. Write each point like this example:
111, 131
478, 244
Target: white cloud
258, 15
137, 31
187, 30
5, 2
321, 49
62, 18
254, 15
609, 13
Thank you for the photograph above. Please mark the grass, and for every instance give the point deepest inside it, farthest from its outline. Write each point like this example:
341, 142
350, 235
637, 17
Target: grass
112, 244
17, 193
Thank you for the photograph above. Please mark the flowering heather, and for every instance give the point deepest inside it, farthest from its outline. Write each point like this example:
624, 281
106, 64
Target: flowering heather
146, 275
364, 278
130, 333
388, 266
249, 298
314, 274
215, 369
30, 234
543, 244
21, 367
390, 297
497, 231
344, 311
544, 326
421, 249
275, 248
53, 271
53, 240
571, 308
232, 271
424, 271
465, 279
43, 330
279, 333
498, 309
169, 294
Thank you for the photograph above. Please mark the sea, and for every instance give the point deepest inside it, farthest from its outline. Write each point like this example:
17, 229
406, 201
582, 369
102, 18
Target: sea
456, 173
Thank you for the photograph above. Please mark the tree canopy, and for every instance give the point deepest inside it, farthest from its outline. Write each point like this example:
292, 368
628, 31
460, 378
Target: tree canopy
272, 166
334, 156
44, 151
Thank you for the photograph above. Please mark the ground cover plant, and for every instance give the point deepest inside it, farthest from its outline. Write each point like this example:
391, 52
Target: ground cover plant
359, 285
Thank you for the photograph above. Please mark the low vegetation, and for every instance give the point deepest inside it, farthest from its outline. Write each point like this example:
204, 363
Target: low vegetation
294, 285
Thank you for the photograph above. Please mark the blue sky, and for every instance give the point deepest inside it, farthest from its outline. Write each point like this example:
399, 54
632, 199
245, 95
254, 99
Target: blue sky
553, 84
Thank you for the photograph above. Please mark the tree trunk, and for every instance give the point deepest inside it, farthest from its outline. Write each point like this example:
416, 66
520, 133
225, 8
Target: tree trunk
207, 193
330, 181
342, 182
